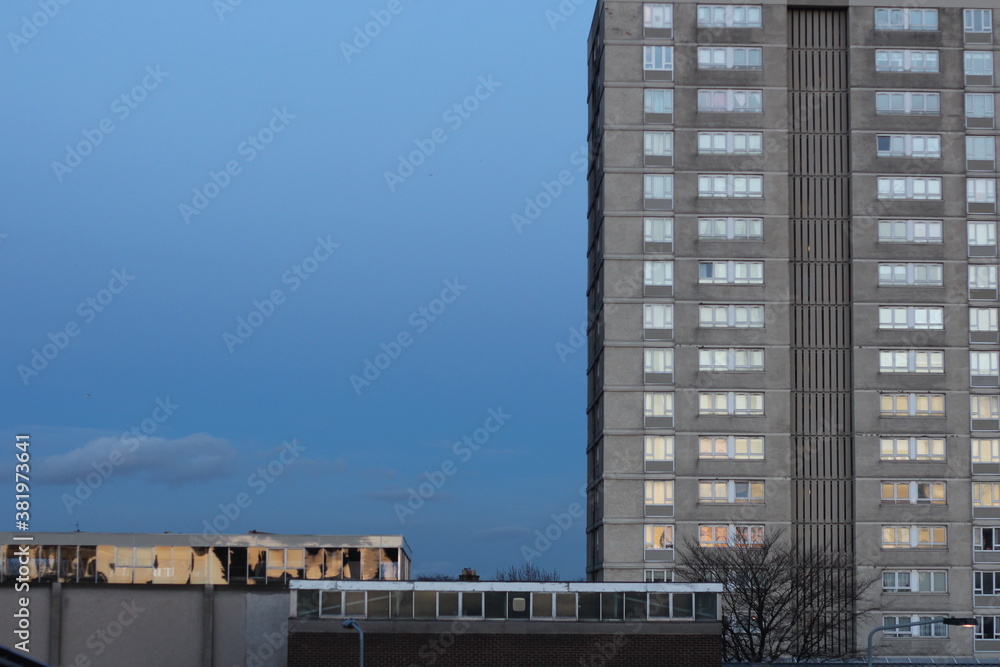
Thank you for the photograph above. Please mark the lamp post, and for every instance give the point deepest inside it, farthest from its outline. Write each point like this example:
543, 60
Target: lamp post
964, 622
351, 623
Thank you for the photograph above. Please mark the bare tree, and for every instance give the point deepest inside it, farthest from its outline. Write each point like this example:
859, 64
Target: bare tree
526, 572
780, 600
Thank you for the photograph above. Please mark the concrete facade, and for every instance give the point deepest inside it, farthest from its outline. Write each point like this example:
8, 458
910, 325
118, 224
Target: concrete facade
834, 459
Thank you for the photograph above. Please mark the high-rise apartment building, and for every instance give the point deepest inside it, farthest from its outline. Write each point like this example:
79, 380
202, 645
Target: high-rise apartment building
793, 295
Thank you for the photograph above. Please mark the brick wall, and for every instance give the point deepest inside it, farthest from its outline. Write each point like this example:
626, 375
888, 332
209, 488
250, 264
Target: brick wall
455, 649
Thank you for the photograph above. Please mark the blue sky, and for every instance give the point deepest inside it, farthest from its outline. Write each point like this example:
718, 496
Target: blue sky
215, 214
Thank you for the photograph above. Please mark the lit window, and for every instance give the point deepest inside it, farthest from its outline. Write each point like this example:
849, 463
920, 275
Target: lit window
658, 100
731, 491
658, 360
910, 317
909, 231
729, 16
902, 102
734, 447
731, 273
730, 185
730, 143
659, 404
733, 403
748, 101
911, 405
915, 581
911, 274
731, 229
730, 535
906, 19
909, 187
913, 493
658, 58
729, 57
985, 407
986, 494
906, 60
658, 15
731, 360
985, 450
912, 448
659, 448
908, 145
734, 317
659, 492
920, 631
914, 537
659, 537
978, 20
911, 361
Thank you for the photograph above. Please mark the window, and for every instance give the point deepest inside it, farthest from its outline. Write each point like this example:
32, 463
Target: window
660, 274
915, 581
659, 448
906, 19
911, 405
731, 273
913, 448
731, 360
920, 631
909, 231
734, 447
730, 229
730, 491
657, 15
730, 143
659, 404
986, 494
986, 539
658, 100
987, 627
657, 316
730, 185
658, 230
910, 317
911, 274
658, 58
980, 150
982, 277
984, 368
659, 492
908, 145
901, 102
658, 144
732, 317
729, 57
978, 20
911, 361
730, 535
981, 190
914, 537
905, 60
985, 407
658, 576
986, 583
909, 187
659, 186
979, 67
985, 450
913, 493
747, 101
659, 537
658, 360
979, 105
983, 320
738, 404
729, 16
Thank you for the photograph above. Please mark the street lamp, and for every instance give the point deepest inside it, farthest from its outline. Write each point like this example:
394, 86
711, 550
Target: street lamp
964, 622
351, 623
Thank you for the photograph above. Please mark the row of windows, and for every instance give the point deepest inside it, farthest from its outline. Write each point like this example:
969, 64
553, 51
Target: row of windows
660, 15
731, 491
918, 404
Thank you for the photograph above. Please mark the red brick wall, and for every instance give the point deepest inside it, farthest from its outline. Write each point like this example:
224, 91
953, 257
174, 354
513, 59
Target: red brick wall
506, 650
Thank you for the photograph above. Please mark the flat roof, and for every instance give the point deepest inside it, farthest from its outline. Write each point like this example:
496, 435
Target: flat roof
506, 586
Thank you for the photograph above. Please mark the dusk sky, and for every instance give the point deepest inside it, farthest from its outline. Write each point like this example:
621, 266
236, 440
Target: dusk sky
216, 213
